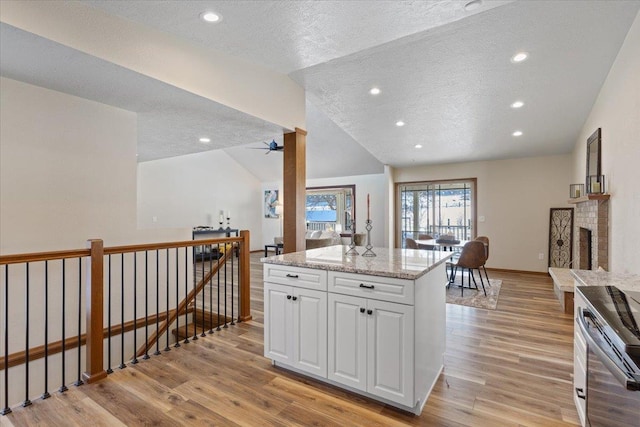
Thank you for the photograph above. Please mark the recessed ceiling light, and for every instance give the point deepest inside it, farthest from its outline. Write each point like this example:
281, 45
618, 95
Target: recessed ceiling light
418, 145
517, 104
399, 123
205, 140
210, 17
517, 133
519, 57
472, 5
374, 91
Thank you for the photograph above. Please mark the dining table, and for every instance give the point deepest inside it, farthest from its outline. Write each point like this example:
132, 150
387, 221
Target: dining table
443, 245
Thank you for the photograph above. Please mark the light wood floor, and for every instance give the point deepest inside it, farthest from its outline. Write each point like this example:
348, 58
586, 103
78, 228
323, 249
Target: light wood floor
508, 367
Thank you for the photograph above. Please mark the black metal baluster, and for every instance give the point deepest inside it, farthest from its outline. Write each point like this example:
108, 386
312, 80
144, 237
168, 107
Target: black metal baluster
146, 305
63, 387
6, 410
157, 352
45, 394
26, 401
194, 316
203, 334
122, 365
167, 348
135, 308
109, 370
211, 290
218, 274
225, 285
232, 322
79, 381
186, 292
177, 344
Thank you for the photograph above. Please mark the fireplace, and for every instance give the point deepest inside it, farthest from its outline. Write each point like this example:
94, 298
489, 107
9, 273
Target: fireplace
591, 227
584, 246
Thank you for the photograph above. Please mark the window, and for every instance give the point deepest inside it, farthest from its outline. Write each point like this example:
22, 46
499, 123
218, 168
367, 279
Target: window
330, 208
436, 208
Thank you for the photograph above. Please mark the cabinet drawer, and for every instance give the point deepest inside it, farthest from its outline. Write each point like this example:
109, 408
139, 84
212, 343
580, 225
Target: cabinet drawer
295, 276
374, 287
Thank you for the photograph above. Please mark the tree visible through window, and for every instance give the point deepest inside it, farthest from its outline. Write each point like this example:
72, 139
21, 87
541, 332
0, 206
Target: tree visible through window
437, 208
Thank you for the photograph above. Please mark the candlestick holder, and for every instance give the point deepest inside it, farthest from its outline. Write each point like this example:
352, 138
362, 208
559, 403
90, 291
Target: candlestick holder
220, 222
369, 247
352, 246
228, 223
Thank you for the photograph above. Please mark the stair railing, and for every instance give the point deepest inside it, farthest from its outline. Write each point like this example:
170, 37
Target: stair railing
70, 303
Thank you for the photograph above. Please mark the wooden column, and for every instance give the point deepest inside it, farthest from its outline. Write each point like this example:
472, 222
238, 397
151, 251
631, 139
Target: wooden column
95, 314
245, 277
294, 190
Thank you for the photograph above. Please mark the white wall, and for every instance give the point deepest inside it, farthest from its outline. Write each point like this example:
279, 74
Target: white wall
188, 191
617, 112
67, 172
514, 196
374, 185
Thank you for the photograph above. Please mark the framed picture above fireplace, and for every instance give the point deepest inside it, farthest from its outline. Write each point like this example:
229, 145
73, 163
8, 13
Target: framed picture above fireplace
593, 155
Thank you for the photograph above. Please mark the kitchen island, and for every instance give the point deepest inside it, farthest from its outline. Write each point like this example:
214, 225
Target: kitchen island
371, 325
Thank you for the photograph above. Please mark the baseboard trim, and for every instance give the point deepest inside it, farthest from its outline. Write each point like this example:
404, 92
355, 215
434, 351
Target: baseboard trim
506, 270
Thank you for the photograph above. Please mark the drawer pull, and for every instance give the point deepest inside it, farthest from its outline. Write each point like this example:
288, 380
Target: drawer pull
288, 296
293, 276
580, 393
369, 311
361, 309
295, 298
362, 285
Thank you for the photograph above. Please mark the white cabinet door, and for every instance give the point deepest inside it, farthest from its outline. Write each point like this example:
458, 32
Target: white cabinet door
278, 330
348, 341
390, 351
310, 331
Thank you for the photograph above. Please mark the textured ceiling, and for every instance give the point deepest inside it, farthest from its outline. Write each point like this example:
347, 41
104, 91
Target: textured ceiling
453, 85
443, 70
290, 35
170, 120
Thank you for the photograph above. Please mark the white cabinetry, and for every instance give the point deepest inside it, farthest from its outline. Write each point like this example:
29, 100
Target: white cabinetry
371, 346
579, 361
379, 336
296, 323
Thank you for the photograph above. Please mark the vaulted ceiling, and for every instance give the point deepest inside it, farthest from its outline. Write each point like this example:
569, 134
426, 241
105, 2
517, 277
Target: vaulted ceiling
443, 70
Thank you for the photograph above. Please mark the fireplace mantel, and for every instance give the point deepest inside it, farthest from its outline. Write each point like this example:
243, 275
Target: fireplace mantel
589, 197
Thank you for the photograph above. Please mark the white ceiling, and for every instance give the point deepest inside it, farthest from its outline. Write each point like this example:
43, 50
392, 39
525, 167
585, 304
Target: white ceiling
444, 71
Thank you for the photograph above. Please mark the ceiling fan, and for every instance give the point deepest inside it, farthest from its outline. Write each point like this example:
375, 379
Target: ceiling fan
271, 146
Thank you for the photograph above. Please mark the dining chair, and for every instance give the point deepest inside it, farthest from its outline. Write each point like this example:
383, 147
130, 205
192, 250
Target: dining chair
409, 243
485, 240
426, 237
472, 257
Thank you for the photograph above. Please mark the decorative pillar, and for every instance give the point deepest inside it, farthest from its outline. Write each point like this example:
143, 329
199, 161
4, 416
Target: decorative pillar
294, 190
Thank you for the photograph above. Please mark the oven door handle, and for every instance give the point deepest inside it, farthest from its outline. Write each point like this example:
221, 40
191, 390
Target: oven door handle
611, 365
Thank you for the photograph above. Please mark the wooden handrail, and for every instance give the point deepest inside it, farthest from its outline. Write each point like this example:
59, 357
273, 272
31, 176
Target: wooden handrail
43, 256
169, 245
182, 306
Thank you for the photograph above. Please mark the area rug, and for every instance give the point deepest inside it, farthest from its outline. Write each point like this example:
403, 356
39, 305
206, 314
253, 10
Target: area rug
472, 297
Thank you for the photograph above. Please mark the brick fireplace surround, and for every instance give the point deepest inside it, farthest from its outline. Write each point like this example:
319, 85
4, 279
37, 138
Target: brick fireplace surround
592, 213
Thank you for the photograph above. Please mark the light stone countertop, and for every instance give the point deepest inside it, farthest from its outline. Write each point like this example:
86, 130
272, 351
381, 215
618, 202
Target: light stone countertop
399, 263
624, 282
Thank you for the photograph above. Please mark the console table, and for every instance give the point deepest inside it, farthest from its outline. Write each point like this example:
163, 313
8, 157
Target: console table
204, 253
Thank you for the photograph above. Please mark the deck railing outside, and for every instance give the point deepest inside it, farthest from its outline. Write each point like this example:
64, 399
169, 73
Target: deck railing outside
59, 310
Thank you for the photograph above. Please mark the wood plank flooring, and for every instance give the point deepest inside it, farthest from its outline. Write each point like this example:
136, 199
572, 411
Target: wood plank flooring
508, 367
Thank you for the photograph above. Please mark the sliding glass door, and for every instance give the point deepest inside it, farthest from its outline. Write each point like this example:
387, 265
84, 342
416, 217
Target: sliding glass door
436, 208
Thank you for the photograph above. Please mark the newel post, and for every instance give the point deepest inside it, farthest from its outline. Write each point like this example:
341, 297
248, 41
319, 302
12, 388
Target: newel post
95, 313
245, 277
